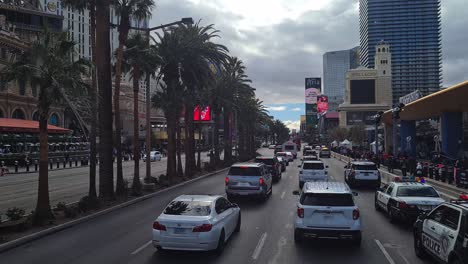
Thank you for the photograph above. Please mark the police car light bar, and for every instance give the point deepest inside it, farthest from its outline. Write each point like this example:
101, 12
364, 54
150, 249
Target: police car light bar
463, 196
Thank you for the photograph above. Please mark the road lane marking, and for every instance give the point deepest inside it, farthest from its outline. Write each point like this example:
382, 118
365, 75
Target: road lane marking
384, 251
290, 176
282, 195
142, 247
259, 247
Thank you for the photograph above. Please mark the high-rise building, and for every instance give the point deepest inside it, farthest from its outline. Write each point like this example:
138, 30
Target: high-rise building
412, 28
335, 66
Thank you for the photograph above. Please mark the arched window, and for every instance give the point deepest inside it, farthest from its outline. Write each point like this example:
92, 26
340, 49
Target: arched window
54, 120
378, 50
383, 49
35, 116
18, 114
384, 72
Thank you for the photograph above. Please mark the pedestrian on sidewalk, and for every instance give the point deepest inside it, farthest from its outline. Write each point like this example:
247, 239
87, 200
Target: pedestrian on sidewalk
404, 167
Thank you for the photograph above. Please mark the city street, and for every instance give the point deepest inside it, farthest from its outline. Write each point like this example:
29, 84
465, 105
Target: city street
67, 185
266, 235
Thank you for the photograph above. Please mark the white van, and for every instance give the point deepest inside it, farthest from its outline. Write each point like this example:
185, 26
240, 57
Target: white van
290, 146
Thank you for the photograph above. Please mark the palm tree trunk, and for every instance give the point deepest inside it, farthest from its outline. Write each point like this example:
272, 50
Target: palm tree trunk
171, 145
227, 135
123, 34
93, 93
103, 64
43, 211
180, 170
136, 186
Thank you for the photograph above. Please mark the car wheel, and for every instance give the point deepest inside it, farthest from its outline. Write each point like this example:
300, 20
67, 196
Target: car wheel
357, 240
221, 243
230, 197
391, 215
455, 260
160, 250
238, 226
418, 247
297, 236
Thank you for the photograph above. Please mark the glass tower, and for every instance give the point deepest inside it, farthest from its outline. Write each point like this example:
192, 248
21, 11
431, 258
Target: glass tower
413, 30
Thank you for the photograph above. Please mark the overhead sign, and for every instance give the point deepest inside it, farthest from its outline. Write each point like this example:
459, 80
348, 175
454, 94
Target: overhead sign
411, 97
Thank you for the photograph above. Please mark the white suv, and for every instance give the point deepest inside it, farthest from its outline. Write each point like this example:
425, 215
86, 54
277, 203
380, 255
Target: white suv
312, 170
362, 172
327, 210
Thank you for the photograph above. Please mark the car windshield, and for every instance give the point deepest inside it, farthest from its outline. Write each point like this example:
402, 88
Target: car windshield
289, 147
281, 154
189, 208
244, 171
366, 167
327, 199
313, 166
416, 191
269, 162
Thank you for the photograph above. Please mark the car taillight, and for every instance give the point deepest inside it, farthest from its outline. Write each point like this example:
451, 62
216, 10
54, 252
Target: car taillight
226, 180
159, 226
300, 212
203, 228
403, 205
261, 182
355, 214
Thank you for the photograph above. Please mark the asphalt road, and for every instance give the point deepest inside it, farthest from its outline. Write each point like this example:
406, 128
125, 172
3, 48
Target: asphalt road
266, 234
67, 185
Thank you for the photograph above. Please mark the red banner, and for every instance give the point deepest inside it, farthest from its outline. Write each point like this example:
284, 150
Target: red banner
203, 115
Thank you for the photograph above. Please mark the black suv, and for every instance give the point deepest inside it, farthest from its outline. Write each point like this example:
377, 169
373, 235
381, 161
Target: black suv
273, 164
443, 233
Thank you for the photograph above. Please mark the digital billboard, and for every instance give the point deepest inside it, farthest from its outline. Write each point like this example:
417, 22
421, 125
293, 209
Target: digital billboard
322, 104
312, 91
203, 115
355, 118
362, 91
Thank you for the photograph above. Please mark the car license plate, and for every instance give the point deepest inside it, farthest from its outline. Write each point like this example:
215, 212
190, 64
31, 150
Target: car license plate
179, 230
244, 184
425, 207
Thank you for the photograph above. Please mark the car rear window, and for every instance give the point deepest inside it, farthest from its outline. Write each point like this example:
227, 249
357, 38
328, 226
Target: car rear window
289, 147
327, 199
366, 167
190, 208
311, 152
244, 171
281, 154
416, 191
313, 166
265, 161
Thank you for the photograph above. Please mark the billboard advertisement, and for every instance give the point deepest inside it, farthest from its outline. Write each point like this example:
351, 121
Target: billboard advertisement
312, 92
357, 117
202, 114
322, 104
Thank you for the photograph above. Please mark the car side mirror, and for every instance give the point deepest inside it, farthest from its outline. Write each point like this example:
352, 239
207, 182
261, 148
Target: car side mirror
355, 194
298, 166
326, 166
296, 192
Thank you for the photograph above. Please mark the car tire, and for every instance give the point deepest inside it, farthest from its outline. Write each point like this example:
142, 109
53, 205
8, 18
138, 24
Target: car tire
418, 247
391, 215
230, 197
220, 248
357, 240
160, 250
298, 238
455, 260
238, 225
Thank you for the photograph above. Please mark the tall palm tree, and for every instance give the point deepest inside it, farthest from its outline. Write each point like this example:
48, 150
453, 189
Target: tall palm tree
125, 10
49, 65
104, 79
138, 59
185, 52
91, 6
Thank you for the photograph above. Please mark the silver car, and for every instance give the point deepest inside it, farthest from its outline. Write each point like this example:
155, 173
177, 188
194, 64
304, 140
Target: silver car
196, 223
249, 179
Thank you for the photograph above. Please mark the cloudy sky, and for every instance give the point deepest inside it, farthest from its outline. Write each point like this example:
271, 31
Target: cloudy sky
282, 41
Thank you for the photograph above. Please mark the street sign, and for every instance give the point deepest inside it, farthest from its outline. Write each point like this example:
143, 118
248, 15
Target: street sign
411, 97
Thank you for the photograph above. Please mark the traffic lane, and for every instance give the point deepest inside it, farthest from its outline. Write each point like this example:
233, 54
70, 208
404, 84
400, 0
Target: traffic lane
258, 219
395, 239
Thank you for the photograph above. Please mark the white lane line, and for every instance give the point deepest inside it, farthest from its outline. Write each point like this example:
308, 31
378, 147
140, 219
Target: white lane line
142, 247
282, 195
259, 247
384, 251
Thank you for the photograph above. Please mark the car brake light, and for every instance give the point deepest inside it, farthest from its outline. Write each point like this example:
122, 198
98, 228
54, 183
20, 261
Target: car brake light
300, 212
203, 228
159, 226
226, 180
260, 181
464, 196
355, 214
403, 205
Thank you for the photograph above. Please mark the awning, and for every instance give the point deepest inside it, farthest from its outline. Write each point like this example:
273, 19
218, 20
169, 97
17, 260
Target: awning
27, 126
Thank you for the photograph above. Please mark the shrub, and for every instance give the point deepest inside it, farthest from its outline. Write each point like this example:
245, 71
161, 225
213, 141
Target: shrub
71, 211
86, 203
15, 213
61, 206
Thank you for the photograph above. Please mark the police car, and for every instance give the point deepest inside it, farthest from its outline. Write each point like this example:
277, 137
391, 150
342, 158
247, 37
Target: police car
443, 232
406, 200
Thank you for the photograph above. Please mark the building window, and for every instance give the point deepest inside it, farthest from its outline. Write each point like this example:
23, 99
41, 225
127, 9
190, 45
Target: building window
35, 116
4, 54
22, 86
54, 120
1, 114
18, 114
384, 72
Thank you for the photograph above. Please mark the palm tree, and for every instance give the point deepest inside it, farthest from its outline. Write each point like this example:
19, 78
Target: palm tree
103, 67
126, 10
49, 65
91, 6
185, 52
138, 59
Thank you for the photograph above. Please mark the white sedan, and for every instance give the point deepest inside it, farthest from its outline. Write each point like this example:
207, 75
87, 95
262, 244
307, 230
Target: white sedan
196, 223
154, 156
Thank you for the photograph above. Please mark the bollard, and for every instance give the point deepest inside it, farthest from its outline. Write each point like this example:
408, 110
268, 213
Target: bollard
16, 166
70, 162
443, 173
431, 171
437, 173
35, 165
51, 163
81, 161
76, 162
27, 166
58, 163
450, 174
64, 163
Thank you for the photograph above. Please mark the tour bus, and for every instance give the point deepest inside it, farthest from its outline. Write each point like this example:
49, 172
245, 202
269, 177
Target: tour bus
290, 146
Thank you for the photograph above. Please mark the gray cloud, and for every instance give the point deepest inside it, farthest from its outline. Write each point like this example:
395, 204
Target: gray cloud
280, 56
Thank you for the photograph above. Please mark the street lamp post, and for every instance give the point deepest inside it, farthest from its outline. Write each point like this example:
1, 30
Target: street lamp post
396, 115
377, 119
186, 21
